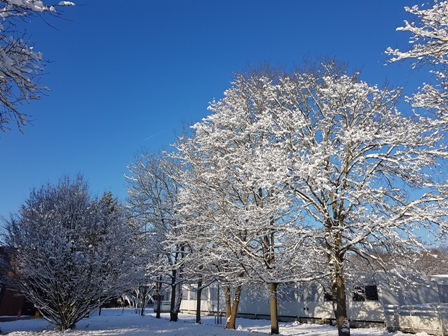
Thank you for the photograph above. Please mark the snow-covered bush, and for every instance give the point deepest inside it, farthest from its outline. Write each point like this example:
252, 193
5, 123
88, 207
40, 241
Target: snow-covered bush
71, 252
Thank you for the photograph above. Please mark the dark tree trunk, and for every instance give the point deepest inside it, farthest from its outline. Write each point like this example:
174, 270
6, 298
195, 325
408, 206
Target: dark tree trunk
231, 320
159, 305
173, 312
142, 311
198, 302
159, 300
273, 308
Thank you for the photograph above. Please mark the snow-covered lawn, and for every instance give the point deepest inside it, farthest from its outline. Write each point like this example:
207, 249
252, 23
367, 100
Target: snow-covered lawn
118, 322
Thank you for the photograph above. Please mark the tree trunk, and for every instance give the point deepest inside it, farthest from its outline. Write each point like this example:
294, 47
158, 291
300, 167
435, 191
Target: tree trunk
228, 304
340, 302
142, 311
159, 300
273, 308
231, 320
336, 263
173, 312
198, 302
178, 298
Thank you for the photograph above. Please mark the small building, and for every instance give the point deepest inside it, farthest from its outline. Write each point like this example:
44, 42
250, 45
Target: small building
12, 304
412, 306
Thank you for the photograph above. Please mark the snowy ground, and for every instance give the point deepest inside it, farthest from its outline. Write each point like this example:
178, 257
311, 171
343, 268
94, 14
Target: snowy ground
118, 322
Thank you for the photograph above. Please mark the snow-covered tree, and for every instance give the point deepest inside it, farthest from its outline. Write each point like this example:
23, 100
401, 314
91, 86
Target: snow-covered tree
153, 191
71, 252
235, 190
20, 66
429, 47
322, 159
365, 173
146, 266
203, 229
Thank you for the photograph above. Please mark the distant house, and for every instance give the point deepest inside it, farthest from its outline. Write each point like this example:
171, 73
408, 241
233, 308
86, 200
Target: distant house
11, 302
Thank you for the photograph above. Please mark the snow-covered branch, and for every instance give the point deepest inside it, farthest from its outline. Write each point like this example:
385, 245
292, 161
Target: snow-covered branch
21, 67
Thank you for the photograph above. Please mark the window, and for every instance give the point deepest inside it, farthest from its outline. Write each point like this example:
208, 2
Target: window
363, 293
328, 297
359, 294
371, 293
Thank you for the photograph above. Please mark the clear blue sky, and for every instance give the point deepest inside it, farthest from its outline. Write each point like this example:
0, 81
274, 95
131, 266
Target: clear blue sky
126, 75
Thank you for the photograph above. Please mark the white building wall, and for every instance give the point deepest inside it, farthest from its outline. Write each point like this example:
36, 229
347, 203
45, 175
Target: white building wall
398, 307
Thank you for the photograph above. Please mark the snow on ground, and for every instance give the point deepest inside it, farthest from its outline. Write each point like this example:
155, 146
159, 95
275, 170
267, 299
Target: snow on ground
119, 322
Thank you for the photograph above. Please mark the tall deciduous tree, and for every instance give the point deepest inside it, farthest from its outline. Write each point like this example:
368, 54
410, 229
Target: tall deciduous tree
20, 66
71, 252
204, 227
363, 171
236, 188
153, 191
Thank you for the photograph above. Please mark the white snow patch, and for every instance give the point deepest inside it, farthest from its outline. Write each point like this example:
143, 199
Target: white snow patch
127, 322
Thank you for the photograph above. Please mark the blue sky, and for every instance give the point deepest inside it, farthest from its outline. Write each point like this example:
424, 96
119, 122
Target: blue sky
127, 75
